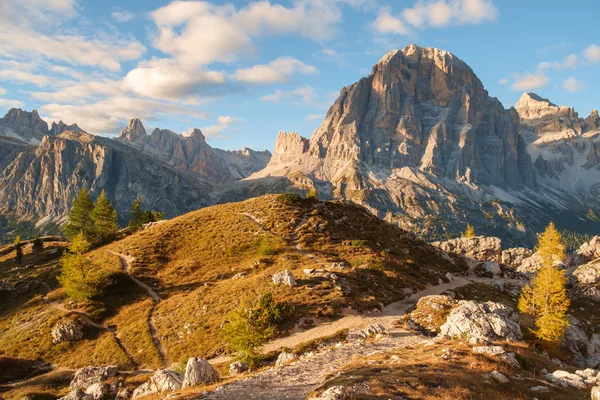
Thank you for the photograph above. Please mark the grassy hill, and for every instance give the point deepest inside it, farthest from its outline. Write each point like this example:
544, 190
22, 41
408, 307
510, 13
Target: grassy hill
204, 264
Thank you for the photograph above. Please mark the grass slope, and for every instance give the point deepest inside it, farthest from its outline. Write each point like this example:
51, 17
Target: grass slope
192, 261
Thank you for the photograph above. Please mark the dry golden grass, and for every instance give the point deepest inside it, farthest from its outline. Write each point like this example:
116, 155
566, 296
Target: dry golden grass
421, 373
190, 262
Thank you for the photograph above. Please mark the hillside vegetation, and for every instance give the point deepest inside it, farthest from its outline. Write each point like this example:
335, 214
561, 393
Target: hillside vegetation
194, 269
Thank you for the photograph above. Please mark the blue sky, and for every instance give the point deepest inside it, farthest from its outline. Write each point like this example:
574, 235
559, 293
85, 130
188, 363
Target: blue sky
242, 71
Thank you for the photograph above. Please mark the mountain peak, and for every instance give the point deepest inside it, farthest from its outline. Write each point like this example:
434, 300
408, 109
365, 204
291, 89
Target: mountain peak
134, 131
530, 105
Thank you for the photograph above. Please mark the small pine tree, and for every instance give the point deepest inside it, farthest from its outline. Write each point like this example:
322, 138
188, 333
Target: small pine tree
545, 298
252, 326
18, 250
104, 217
140, 217
80, 280
136, 215
312, 194
80, 219
470, 232
38, 246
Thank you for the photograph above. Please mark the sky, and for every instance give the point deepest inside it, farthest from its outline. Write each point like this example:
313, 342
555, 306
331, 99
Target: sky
244, 70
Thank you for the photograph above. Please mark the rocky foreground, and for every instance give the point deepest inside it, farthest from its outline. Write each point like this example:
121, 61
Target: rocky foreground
465, 330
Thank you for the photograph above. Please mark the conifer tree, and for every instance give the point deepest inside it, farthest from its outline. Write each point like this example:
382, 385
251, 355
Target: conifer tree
38, 246
104, 217
136, 215
545, 298
80, 220
18, 250
80, 280
470, 232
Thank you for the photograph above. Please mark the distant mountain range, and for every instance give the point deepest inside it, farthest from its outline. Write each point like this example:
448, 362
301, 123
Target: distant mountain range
419, 142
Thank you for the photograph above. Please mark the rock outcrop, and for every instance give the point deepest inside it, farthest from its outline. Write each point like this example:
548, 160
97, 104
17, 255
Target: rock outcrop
588, 251
284, 278
162, 381
199, 372
480, 248
588, 274
67, 331
481, 322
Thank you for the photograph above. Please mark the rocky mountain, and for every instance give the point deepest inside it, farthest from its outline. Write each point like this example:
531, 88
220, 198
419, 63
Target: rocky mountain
42, 169
23, 125
565, 148
40, 183
420, 142
192, 153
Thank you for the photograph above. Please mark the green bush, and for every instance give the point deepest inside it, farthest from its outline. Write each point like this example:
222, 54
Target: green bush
359, 243
290, 198
312, 194
250, 327
266, 247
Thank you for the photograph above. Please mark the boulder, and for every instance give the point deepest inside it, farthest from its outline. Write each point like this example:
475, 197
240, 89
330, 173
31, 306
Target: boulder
333, 393
588, 274
236, 368
575, 340
481, 322
76, 394
489, 350
596, 393
430, 313
567, 379
124, 394
588, 251
480, 248
500, 378
86, 377
198, 371
67, 331
593, 351
530, 265
371, 330
514, 257
285, 358
285, 277
162, 381
98, 391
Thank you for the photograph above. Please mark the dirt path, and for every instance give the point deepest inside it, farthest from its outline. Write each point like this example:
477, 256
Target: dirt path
126, 268
297, 380
88, 321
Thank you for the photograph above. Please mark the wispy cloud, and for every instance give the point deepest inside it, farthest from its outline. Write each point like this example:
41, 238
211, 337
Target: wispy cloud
573, 85
529, 82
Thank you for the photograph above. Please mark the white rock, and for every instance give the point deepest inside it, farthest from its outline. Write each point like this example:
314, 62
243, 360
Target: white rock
85, 377
285, 277
236, 368
163, 380
596, 393
285, 358
198, 371
492, 350
67, 331
500, 378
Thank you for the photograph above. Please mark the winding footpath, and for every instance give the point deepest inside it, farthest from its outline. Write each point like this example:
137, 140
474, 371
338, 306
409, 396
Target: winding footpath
126, 268
298, 380
88, 321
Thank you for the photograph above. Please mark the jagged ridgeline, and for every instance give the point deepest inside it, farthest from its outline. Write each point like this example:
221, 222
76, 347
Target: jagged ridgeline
418, 142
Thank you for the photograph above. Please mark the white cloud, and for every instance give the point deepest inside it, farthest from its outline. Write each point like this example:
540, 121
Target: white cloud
32, 29
573, 85
569, 62
111, 114
223, 123
504, 81
10, 103
386, 23
435, 13
30, 78
2, 91
198, 33
278, 71
529, 82
163, 79
302, 95
122, 16
592, 53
